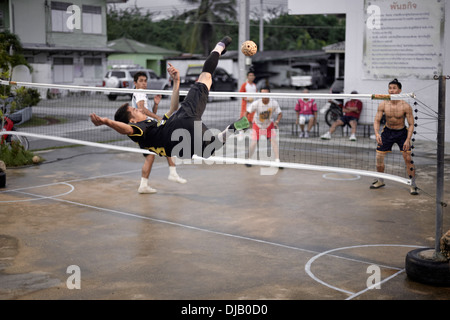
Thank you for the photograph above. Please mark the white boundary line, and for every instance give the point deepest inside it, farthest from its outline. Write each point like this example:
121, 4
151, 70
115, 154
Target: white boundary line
353, 294
329, 177
72, 188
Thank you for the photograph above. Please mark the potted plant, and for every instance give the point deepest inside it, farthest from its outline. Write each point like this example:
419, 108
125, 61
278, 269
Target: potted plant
11, 55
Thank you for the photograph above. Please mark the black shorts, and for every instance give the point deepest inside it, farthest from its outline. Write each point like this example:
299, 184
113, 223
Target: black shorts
346, 119
391, 136
195, 102
189, 117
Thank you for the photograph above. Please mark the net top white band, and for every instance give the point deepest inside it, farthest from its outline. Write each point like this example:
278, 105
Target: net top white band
219, 94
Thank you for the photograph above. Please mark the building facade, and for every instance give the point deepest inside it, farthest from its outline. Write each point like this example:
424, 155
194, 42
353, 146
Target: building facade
64, 42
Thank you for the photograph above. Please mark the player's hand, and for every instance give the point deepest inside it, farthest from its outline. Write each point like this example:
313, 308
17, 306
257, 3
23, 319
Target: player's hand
157, 99
173, 72
96, 120
406, 145
379, 141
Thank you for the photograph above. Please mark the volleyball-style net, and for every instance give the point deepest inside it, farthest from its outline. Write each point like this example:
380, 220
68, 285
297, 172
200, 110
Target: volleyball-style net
61, 118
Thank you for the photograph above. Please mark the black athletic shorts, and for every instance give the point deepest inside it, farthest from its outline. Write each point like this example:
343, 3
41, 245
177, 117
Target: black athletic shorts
189, 117
391, 136
195, 102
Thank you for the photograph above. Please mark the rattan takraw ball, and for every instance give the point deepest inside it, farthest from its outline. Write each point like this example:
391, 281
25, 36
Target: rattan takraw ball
249, 48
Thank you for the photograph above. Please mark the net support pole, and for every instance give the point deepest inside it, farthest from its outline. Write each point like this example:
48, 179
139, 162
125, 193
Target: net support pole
429, 265
244, 34
440, 165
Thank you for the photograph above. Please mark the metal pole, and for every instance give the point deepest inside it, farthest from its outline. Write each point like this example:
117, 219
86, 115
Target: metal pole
440, 165
261, 27
244, 31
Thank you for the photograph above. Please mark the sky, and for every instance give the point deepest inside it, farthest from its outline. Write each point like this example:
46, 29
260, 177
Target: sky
167, 7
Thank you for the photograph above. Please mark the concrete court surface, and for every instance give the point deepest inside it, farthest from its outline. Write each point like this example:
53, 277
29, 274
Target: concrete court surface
229, 233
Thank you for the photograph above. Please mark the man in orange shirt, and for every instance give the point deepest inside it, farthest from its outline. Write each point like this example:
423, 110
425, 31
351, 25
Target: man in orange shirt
248, 86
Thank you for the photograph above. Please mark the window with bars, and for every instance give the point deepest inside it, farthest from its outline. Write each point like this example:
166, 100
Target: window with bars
60, 16
63, 70
92, 19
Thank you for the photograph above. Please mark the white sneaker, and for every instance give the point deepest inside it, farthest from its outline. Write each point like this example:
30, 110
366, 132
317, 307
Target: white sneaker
300, 135
326, 136
146, 189
176, 178
306, 134
352, 138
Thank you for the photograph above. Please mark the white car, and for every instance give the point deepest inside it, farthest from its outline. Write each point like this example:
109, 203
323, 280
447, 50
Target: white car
123, 78
307, 75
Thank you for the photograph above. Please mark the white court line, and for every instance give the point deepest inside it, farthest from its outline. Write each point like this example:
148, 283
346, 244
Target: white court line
307, 266
74, 180
72, 188
375, 285
353, 294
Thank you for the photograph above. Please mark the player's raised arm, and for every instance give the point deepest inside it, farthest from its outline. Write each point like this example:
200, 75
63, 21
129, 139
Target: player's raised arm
175, 75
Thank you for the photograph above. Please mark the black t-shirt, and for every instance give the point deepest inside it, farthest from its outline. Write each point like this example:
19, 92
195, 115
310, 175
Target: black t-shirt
153, 135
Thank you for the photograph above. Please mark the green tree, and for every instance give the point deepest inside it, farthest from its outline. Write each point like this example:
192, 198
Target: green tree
130, 23
11, 52
300, 32
195, 31
203, 21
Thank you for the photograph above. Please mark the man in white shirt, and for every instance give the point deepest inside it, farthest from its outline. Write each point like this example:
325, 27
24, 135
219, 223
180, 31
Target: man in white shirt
265, 109
140, 102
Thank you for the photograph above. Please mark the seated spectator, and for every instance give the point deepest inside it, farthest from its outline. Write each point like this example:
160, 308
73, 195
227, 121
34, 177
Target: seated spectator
351, 112
306, 114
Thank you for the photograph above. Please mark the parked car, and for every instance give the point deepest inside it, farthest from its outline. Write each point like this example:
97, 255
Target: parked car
307, 75
122, 77
221, 80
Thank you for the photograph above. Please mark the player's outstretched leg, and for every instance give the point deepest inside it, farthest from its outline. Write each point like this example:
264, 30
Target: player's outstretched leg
210, 64
241, 124
225, 42
217, 142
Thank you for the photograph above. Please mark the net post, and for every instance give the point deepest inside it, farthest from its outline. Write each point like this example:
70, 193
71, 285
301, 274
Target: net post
430, 265
440, 164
